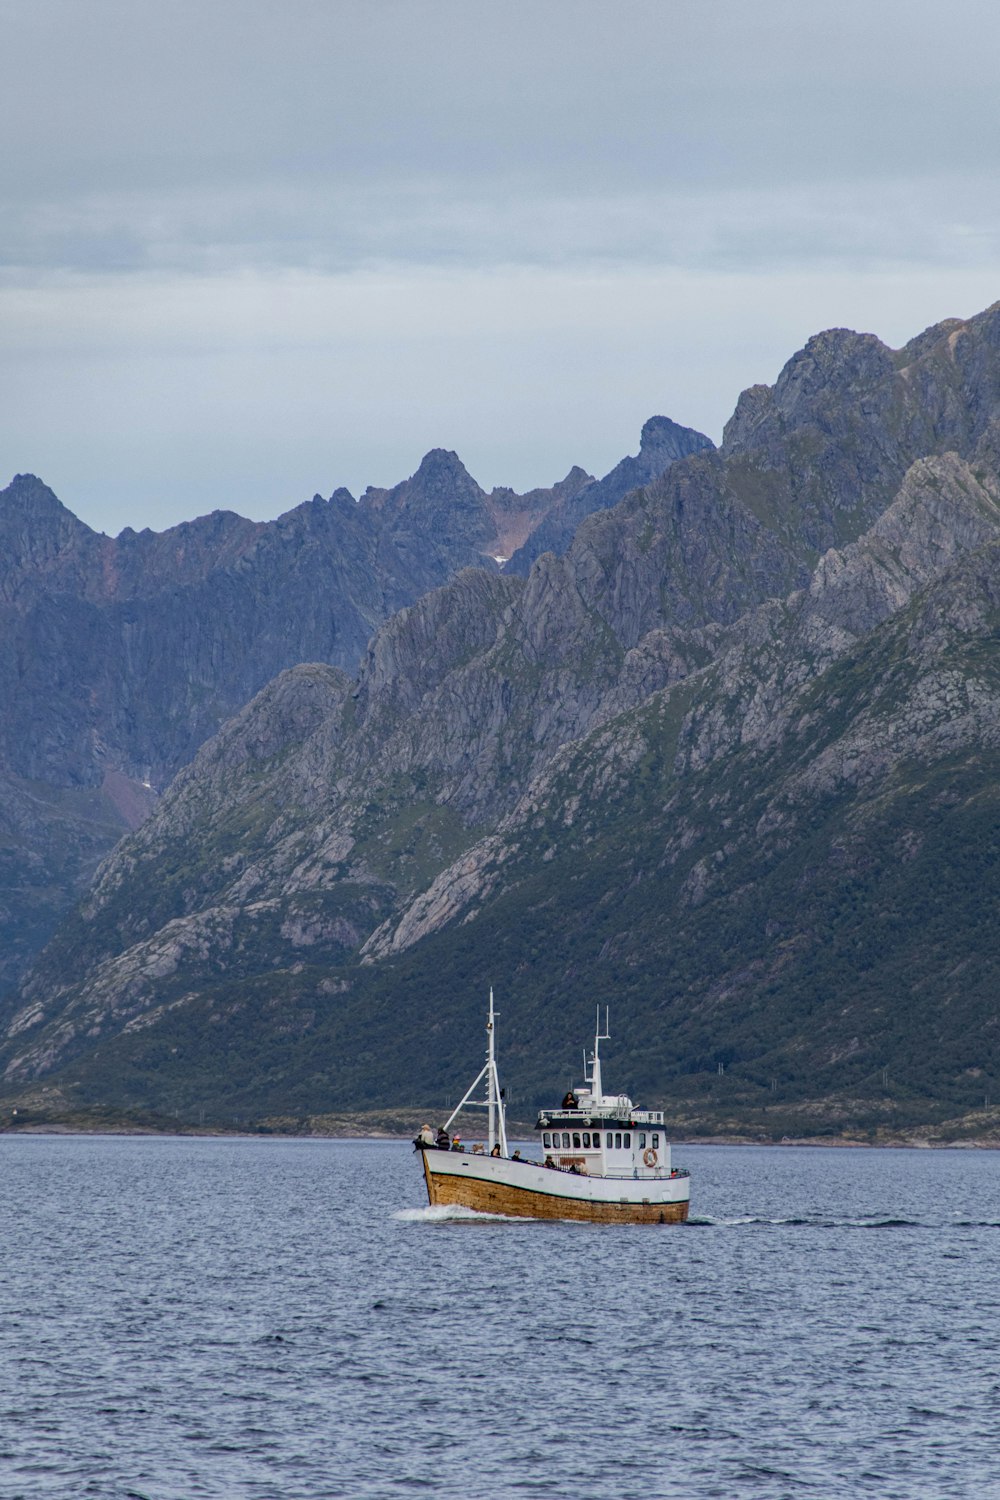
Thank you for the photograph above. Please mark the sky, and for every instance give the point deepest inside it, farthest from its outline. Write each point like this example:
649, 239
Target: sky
253, 250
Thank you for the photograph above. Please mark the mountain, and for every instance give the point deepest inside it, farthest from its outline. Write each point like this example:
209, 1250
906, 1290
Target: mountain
120, 656
662, 443
728, 762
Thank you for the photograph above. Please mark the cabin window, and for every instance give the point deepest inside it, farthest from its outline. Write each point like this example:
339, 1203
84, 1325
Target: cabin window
565, 1140
586, 1139
618, 1139
656, 1142
546, 1140
611, 1140
628, 1142
642, 1140
576, 1140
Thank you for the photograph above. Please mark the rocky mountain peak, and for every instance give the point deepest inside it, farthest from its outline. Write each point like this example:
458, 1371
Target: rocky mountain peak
26, 492
663, 442
27, 506
835, 361
37, 535
442, 475
342, 498
290, 707
829, 371
575, 480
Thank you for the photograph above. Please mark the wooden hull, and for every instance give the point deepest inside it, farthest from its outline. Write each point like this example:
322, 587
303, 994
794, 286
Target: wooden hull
529, 1200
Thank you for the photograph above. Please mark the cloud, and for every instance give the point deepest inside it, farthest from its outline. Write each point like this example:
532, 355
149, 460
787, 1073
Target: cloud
248, 134
250, 250
951, 221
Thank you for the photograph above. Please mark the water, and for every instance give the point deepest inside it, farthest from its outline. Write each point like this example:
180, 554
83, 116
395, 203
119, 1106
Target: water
282, 1320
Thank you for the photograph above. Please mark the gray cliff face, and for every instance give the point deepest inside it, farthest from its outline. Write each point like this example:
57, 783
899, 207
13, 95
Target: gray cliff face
686, 550
750, 637
746, 696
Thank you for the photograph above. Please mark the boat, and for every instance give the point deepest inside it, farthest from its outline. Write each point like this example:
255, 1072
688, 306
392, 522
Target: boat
605, 1161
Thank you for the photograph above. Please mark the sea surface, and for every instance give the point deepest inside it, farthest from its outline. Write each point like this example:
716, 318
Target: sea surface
263, 1319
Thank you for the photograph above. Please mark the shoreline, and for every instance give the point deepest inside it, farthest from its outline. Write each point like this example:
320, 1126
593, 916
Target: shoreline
902, 1142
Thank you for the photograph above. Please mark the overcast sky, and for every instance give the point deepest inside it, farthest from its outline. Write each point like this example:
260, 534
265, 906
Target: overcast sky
256, 249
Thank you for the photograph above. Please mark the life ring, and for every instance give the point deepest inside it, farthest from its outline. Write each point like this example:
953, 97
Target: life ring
650, 1157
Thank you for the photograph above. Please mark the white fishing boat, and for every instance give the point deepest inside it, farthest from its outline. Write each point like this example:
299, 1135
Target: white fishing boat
603, 1160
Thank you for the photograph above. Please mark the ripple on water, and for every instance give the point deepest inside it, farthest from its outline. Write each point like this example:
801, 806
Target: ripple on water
248, 1320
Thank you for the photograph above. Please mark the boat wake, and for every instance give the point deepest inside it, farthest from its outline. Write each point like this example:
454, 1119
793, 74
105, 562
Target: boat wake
449, 1213
706, 1221
455, 1213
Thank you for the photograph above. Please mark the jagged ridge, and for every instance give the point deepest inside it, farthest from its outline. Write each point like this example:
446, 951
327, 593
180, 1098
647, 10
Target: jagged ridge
119, 657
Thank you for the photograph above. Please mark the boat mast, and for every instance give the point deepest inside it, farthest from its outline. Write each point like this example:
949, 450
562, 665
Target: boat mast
596, 1086
491, 1075
494, 1096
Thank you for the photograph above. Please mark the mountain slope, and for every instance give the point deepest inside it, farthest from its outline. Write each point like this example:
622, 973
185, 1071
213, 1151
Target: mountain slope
119, 657
807, 913
635, 769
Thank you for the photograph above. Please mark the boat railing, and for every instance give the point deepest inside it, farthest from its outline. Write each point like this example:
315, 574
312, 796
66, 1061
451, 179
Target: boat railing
585, 1117
647, 1175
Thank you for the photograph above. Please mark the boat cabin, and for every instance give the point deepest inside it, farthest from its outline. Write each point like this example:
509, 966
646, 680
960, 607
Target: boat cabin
604, 1135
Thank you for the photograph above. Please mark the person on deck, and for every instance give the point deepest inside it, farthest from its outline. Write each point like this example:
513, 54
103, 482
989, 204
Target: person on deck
496, 1150
443, 1139
426, 1137
570, 1101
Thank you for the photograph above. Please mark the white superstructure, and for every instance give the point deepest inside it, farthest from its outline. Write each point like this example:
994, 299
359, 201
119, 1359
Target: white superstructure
603, 1134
